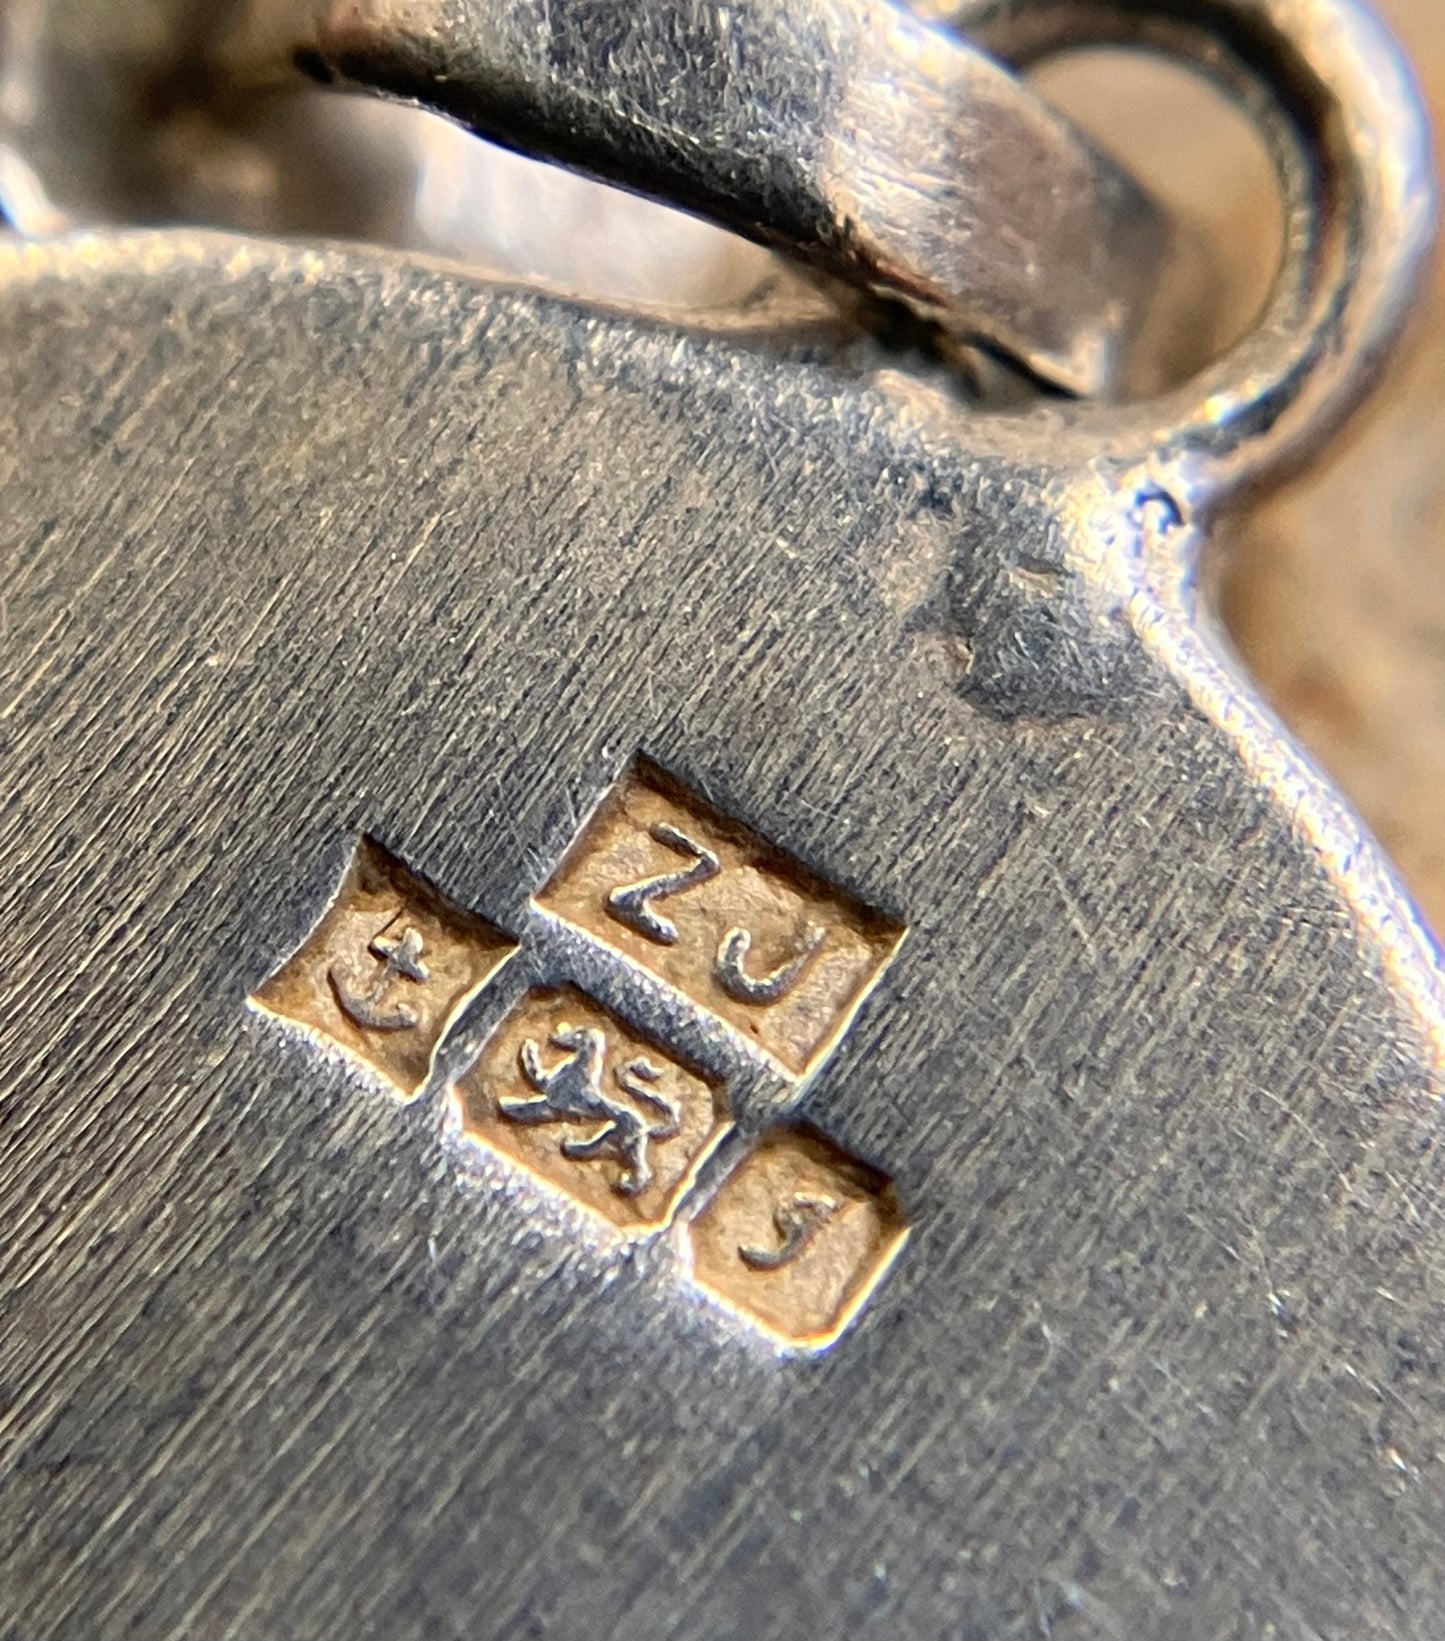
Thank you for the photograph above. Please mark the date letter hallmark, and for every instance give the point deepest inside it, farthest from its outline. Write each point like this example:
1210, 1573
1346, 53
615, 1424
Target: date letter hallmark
588, 1106
699, 915
797, 1237
385, 971
798, 1221
738, 928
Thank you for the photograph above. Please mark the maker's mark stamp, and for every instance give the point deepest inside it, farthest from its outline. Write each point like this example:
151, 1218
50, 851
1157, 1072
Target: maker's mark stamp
797, 1236
715, 912
635, 904
604, 1112
386, 969
586, 1104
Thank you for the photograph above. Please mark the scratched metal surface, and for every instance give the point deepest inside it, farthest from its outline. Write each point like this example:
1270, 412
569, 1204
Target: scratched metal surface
1155, 1070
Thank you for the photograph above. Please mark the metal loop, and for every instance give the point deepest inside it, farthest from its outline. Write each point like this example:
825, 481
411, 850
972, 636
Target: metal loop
1335, 98
882, 150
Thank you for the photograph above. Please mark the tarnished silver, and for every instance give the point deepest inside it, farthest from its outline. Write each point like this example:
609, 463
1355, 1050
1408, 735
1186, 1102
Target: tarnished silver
1342, 115
887, 152
335, 579
884, 151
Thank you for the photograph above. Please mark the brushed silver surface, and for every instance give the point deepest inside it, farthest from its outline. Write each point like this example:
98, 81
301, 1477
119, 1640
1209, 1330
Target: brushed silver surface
302, 545
1155, 1072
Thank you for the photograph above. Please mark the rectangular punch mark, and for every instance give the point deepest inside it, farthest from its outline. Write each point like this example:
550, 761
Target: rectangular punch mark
386, 970
797, 1237
738, 927
592, 1108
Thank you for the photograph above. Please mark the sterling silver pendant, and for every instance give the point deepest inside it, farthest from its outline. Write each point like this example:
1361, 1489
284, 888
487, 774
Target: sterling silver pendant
661, 981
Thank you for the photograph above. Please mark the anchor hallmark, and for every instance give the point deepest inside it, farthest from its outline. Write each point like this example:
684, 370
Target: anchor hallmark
386, 970
794, 1233
400, 957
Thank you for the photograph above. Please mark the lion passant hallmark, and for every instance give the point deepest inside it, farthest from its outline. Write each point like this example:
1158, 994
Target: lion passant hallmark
796, 1233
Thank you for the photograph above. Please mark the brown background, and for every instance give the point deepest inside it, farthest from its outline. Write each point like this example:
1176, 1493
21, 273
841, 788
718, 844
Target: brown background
1335, 589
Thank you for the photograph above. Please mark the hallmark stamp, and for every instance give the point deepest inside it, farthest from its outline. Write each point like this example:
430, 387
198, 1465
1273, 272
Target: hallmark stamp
592, 1108
712, 910
797, 1237
386, 970
602, 1111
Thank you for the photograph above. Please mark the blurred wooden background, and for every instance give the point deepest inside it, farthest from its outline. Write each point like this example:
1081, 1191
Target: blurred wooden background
1335, 589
